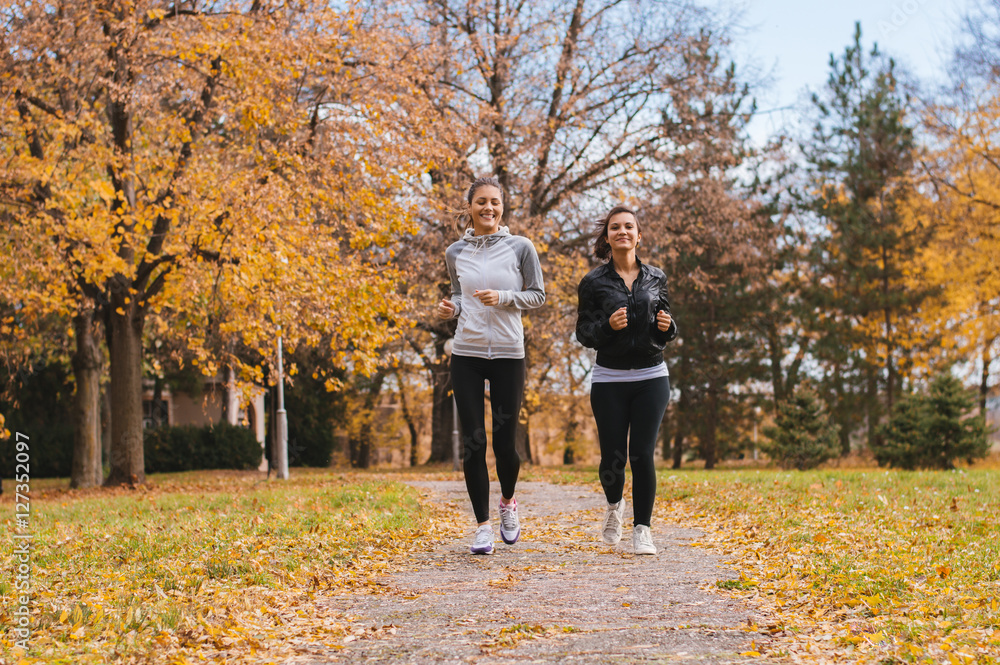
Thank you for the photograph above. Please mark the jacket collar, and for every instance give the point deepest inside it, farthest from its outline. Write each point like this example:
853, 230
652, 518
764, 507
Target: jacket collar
483, 241
609, 267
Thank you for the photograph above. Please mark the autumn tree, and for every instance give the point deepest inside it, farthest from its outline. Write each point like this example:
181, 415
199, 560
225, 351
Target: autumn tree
958, 199
174, 156
713, 241
562, 102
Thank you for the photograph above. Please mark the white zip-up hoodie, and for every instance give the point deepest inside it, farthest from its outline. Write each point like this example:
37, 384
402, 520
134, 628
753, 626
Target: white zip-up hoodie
507, 264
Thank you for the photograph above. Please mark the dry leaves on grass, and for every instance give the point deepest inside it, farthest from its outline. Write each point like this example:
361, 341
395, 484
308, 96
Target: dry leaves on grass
208, 568
857, 566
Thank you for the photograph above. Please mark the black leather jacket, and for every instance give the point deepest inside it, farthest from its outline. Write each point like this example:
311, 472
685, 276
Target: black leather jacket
640, 343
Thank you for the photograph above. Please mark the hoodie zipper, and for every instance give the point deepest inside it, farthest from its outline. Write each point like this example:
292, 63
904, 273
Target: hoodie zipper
489, 314
630, 300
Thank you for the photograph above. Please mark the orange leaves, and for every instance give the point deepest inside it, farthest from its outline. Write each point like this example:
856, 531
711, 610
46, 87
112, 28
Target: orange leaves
214, 565
860, 566
242, 186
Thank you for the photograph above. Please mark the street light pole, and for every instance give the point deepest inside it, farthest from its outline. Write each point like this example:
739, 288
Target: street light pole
281, 447
455, 438
756, 417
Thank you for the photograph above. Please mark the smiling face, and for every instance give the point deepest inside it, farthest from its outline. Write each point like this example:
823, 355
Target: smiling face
486, 209
623, 232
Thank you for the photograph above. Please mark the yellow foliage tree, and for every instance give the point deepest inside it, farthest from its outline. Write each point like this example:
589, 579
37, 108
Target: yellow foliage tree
960, 200
179, 163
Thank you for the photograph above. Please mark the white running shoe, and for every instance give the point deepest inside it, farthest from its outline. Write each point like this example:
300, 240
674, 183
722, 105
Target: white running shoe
642, 540
483, 542
510, 525
614, 519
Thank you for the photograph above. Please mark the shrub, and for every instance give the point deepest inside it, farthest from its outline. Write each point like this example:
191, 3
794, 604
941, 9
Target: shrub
188, 447
802, 437
50, 446
43, 395
933, 429
317, 412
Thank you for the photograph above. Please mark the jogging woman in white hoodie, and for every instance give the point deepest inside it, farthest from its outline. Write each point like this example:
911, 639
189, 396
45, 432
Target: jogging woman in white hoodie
494, 275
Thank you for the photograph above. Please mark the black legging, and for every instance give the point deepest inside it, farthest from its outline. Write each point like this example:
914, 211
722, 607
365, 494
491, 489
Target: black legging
619, 407
506, 377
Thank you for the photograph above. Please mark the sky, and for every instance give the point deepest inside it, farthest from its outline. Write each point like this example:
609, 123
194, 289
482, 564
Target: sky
793, 39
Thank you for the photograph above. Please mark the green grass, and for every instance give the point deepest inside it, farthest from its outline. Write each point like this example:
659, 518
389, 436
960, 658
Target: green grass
858, 565
854, 565
909, 558
155, 573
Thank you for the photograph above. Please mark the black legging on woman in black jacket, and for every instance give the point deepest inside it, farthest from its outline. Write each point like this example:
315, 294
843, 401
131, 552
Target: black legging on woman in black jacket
627, 412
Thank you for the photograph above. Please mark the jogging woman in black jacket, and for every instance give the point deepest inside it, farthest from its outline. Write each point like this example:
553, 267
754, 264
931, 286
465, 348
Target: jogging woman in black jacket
624, 313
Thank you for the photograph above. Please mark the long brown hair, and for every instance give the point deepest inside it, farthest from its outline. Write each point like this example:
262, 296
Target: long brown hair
463, 218
602, 248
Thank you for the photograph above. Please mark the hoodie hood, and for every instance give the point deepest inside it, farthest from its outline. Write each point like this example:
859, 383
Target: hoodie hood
485, 241
502, 262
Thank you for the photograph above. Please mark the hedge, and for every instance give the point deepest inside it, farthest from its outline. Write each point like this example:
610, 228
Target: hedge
189, 448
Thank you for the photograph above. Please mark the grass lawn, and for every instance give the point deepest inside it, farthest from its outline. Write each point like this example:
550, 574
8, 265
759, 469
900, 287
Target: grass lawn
209, 564
855, 565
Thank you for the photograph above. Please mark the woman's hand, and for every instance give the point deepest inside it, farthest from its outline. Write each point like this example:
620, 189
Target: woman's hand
445, 309
489, 297
619, 319
663, 321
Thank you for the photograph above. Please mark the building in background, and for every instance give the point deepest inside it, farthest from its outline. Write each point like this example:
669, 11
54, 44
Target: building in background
218, 401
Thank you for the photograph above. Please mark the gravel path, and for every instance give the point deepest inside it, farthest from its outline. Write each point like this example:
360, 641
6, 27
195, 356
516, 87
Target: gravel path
558, 595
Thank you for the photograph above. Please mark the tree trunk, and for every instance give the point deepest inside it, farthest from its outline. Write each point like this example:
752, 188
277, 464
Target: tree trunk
678, 451
890, 369
125, 351
522, 438
871, 400
361, 446
442, 408
984, 379
105, 422
681, 415
775, 354
86, 469
158, 414
709, 444
710, 420
842, 415
570, 436
411, 424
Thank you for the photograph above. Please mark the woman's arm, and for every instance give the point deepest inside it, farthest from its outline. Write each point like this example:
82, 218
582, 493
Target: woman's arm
593, 326
532, 293
670, 333
456, 286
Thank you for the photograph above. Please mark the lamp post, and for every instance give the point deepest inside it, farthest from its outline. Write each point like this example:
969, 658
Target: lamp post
756, 417
455, 447
281, 445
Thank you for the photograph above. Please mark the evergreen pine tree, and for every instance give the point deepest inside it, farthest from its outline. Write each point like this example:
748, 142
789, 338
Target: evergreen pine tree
931, 430
860, 160
803, 436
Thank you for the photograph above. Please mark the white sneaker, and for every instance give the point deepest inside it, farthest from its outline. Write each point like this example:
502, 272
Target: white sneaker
642, 540
483, 541
613, 521
510, 525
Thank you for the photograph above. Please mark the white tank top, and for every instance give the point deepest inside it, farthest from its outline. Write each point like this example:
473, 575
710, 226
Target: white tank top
606, 375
